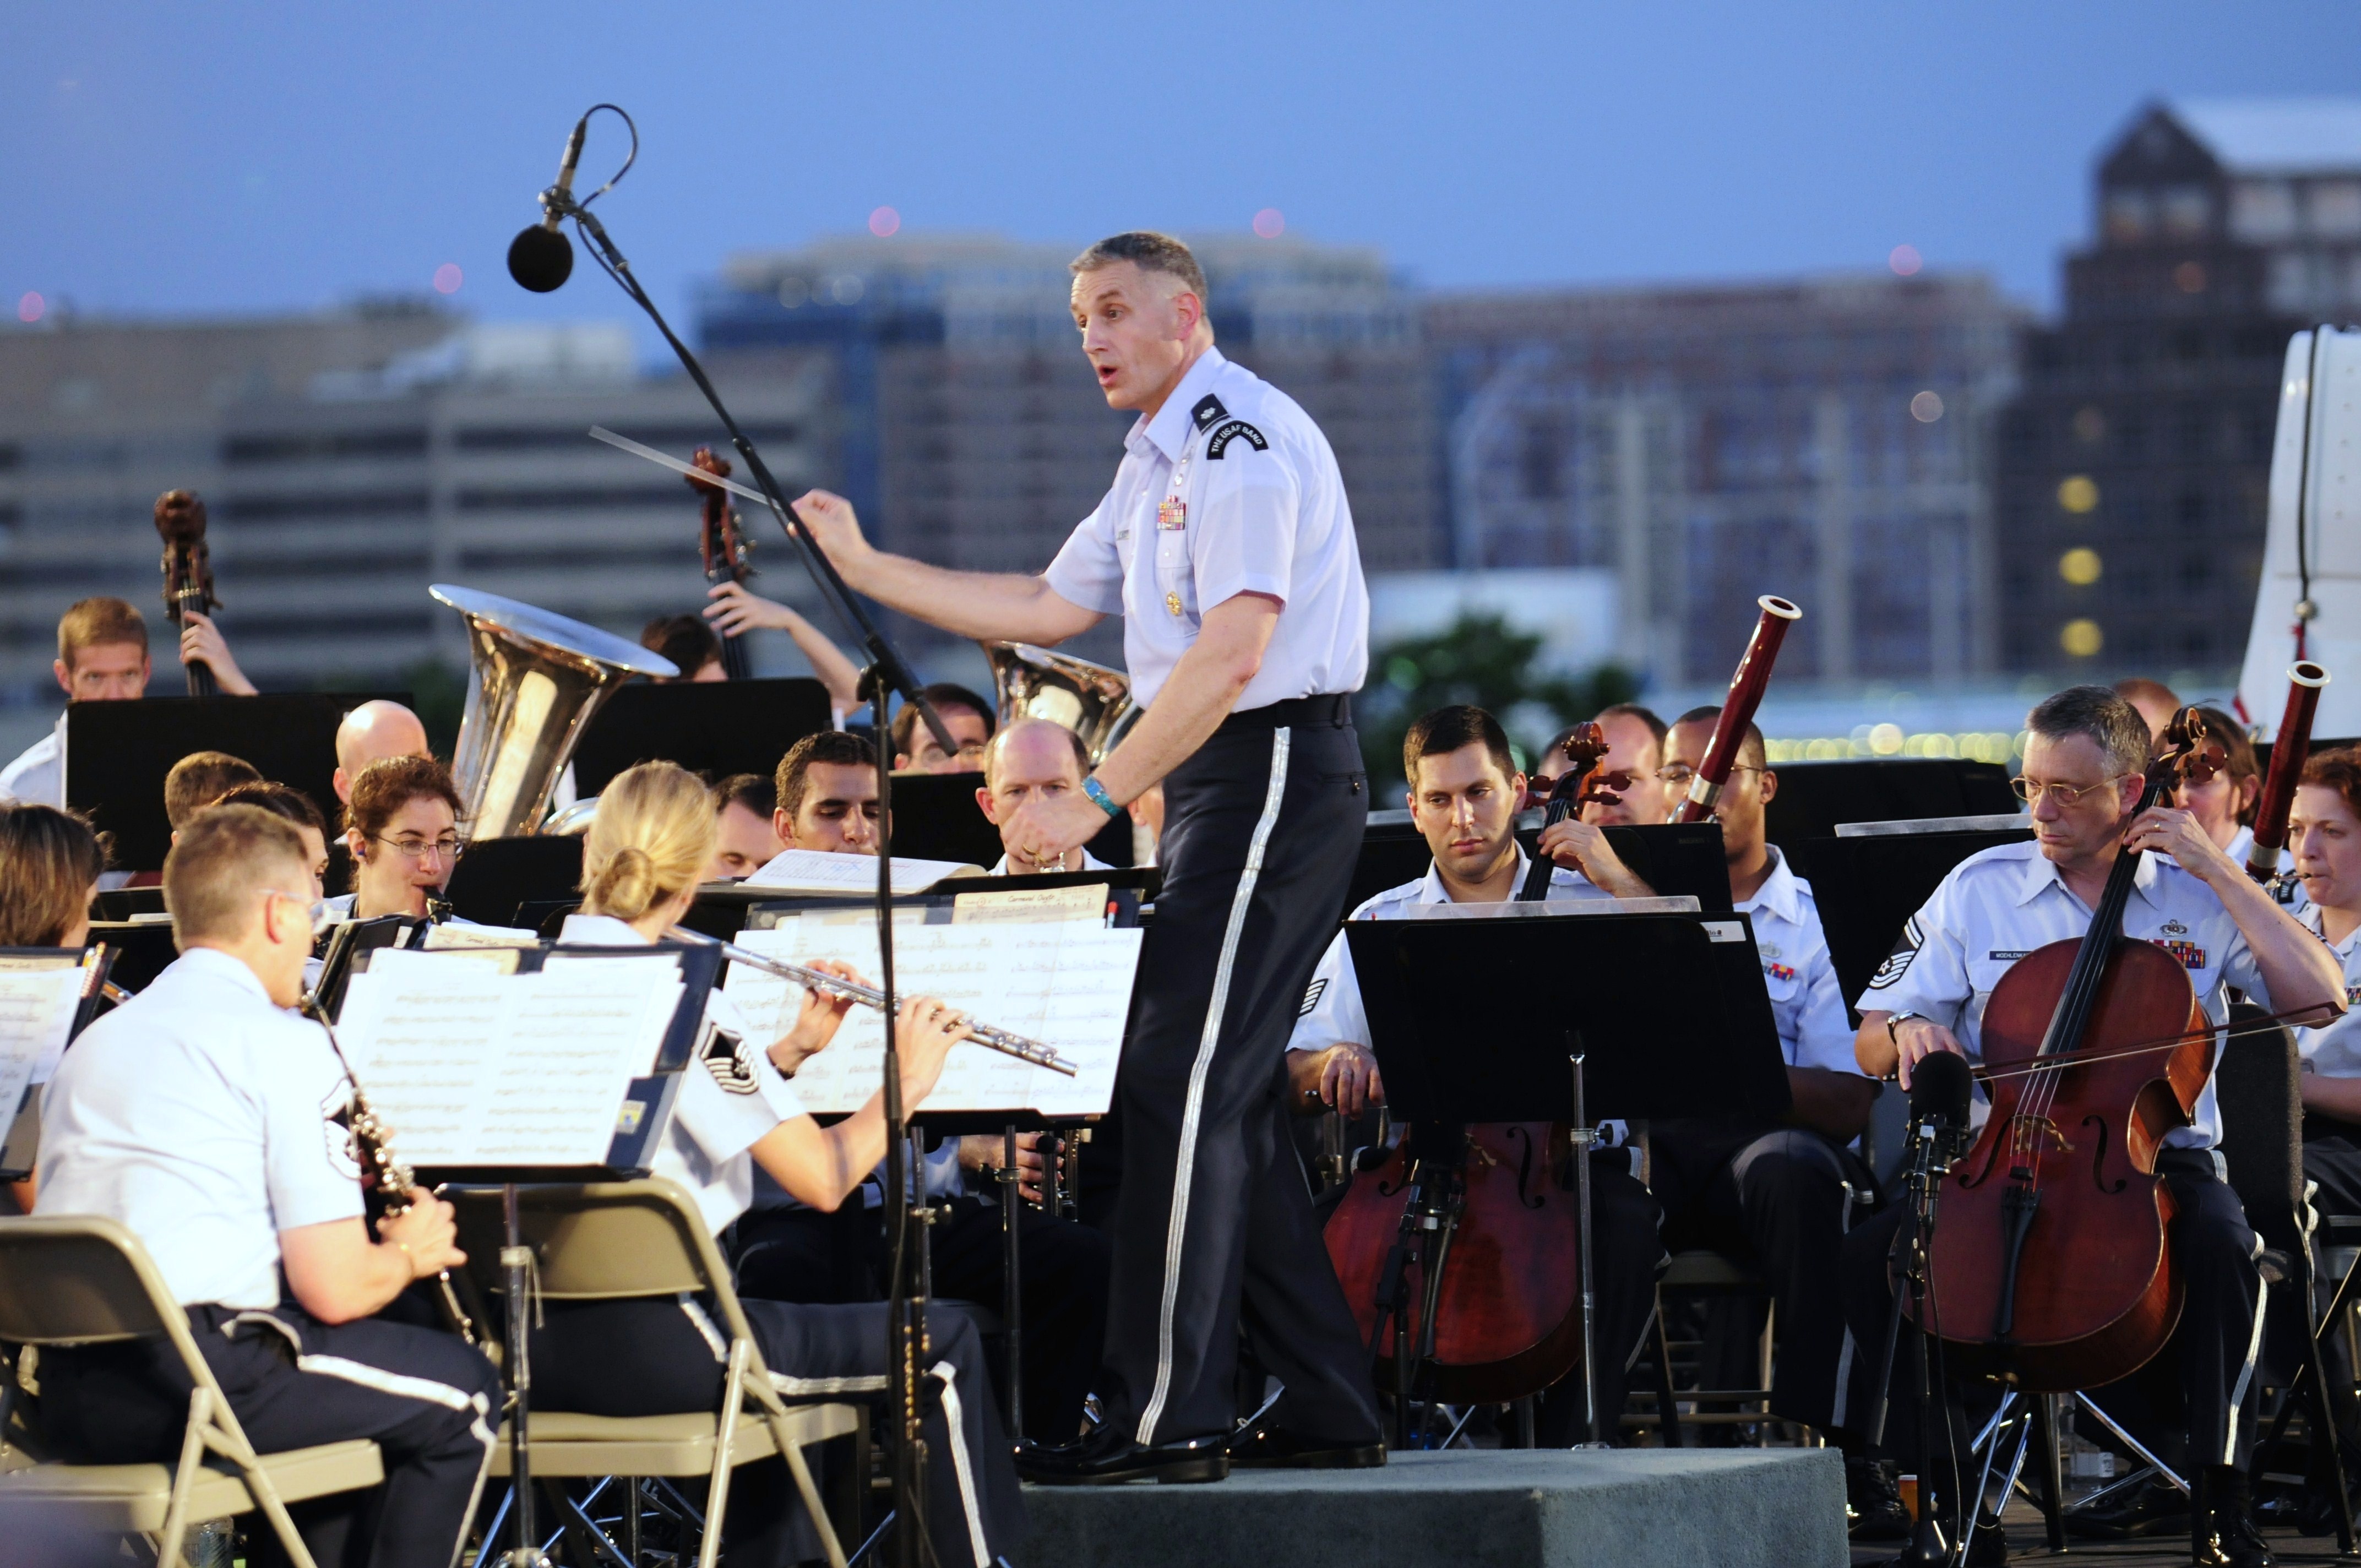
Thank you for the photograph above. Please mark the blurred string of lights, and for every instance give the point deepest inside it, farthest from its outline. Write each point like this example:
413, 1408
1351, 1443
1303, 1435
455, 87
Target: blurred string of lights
1892, 741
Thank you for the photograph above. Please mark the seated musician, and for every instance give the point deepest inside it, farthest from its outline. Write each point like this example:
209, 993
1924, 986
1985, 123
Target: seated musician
1635, 748
968, 718
743, 804
1783, 1194
645, 853
295, 808
201, 778
2085, 751
1465, 789
826, 789
401, 826
207, 1119
689, 643
49, 866
1032, 757
2156, 701
2224, 804
370, 733
735, 610
102, 657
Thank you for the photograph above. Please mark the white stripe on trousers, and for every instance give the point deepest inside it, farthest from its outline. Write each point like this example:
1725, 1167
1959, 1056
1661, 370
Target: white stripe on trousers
948, 1375
1176, 1236
424, 1389
2246, 1373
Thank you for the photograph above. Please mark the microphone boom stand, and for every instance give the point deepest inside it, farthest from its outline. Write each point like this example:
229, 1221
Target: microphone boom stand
888, 671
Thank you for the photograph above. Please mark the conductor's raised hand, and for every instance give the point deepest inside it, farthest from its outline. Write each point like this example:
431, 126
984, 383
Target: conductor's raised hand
925, 1030
816, 1020
833, 525
427, 1233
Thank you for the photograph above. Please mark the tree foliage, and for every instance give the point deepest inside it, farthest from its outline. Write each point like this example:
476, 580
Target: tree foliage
1479, 659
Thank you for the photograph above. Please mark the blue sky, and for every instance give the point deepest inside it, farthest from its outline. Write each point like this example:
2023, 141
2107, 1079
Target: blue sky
245, 158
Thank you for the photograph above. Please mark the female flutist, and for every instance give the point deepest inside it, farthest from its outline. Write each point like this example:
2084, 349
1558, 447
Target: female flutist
49, 863
653, 837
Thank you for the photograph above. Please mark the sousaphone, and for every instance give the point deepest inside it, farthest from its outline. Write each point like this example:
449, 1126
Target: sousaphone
1091, 700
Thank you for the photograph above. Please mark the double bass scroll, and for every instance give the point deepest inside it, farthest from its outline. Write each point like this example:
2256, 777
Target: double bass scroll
188, 573
722, 543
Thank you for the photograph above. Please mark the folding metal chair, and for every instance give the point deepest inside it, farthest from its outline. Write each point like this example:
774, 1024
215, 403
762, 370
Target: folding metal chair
80, 1281
610, 1241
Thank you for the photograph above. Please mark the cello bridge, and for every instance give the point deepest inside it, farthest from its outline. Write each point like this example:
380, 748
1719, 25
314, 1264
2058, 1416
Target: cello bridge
2028, 1136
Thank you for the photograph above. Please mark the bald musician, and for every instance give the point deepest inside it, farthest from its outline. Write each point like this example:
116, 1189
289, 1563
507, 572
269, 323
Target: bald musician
370, 733
2086, 750
1033, 759
1464, 792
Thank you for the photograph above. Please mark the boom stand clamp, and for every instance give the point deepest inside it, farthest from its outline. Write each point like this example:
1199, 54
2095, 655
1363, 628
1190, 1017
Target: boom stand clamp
887, 672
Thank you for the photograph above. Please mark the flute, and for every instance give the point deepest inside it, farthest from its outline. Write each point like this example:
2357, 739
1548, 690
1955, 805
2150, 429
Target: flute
1001, 1040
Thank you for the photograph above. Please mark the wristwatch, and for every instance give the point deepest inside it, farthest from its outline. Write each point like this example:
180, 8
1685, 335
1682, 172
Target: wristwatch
1099, 797
1895, 1023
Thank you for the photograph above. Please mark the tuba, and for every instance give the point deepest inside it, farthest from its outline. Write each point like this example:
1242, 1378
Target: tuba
534, 682
1091, 700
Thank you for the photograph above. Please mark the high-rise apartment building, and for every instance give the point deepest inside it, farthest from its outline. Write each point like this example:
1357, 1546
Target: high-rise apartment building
1826, 440
347, 461
2133, 467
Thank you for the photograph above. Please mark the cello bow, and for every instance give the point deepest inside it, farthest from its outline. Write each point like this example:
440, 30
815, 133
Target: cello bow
1746, 689
2288, 748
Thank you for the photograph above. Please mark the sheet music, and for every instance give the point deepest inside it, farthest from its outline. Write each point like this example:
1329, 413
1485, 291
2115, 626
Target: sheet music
38, 997
1066, 984
452, 934
473, 1067
810, 870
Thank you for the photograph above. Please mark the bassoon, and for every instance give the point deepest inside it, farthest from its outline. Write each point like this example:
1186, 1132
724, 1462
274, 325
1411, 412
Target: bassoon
2288, 747
1746, 688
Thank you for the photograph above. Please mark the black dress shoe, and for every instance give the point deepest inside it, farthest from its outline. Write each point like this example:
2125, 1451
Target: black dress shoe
1273, 1449
2156, 1509
2227, 1537
1874, 1498
1107, 1456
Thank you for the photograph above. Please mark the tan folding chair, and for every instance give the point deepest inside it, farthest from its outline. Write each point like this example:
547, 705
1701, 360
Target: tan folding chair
74, 1279
609, 1241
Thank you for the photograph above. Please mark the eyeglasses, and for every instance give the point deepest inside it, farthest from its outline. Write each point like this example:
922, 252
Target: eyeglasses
1679, 774
2064, 794
448, 847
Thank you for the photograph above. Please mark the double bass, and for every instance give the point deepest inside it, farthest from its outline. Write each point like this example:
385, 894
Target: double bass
723, 542
1486, 1302
188, 573
2050, 1262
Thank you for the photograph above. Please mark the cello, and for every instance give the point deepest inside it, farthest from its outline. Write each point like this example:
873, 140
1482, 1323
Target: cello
722, 541
1465, 1241
2050, 1265
188, 573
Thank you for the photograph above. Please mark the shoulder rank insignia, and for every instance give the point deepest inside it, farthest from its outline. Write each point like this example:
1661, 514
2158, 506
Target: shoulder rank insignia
1311, 997
1234, 430
1208, 410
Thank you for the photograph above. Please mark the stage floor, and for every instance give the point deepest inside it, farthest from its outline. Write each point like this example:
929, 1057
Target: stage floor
2023, 1523
1756, 1507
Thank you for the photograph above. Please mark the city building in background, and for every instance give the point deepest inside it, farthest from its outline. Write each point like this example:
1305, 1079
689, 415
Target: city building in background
348, 460
1825, 439
2134, 468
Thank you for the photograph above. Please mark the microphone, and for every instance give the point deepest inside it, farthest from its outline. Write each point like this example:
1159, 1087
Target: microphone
1939, 1093
540, 259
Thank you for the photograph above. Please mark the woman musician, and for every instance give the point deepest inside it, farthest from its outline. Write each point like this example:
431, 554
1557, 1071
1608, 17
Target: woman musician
403, 827
647, 850
49, 862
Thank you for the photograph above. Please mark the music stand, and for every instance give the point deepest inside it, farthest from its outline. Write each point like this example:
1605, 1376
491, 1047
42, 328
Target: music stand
712, 728
1813, 797
498, 877
1868, 887
1676, 858
1629, 1057
116, 754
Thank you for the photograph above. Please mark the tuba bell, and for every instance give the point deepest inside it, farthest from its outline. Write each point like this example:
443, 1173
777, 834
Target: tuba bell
534, 682
1091, 700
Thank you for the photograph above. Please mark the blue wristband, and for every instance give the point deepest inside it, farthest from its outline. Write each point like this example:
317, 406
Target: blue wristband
1099, 797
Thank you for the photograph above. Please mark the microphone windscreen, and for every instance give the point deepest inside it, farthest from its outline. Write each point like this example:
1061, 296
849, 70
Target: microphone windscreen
1940, 1089
541, 260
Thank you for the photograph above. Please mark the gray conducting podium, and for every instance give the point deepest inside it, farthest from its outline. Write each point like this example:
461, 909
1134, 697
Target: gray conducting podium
1646, 1009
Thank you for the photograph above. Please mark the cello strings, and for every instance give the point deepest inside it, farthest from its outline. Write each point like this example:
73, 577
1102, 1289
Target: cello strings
2052, 1065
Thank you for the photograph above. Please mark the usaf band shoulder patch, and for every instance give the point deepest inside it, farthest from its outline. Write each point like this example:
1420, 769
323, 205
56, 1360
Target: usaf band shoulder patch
1231, 431
1209, 409
1897, 963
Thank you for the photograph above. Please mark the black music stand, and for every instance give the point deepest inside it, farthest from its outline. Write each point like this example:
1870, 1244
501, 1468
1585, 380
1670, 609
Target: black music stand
1676, 858
118, 753
713, 728
1813, 797
1626, 1053
498, 877
1868, 887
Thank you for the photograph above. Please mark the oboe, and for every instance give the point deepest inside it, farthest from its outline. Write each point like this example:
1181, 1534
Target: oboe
1001, 1040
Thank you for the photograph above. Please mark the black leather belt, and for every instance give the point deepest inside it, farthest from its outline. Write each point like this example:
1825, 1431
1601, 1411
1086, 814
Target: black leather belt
1327, 710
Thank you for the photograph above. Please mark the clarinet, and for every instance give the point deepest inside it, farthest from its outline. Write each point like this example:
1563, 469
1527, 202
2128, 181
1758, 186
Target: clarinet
383, 1170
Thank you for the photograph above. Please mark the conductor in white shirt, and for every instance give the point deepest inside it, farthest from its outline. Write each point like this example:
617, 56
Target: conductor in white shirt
1226, 544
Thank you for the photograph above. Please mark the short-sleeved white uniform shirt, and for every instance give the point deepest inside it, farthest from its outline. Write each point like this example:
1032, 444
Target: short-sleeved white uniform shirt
1261, 509
1999, 905
206, 1121
1814, 1028
2335, 1049
37, 776
730, 1095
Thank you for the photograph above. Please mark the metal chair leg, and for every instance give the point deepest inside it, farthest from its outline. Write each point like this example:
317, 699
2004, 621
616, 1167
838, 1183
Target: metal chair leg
2053, 1479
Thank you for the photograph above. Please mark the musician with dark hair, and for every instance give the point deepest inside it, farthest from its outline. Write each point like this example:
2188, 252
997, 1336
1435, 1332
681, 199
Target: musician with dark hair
403, 827
201, 778
2086, 752
743, 805
1463, 793
827, 795
689, 642
967, 716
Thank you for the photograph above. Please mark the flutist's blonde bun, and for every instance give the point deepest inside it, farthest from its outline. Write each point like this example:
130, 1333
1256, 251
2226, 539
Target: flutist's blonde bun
653, 837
